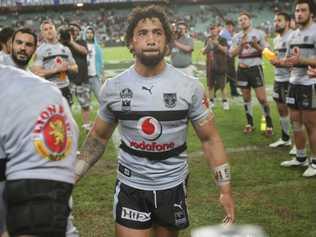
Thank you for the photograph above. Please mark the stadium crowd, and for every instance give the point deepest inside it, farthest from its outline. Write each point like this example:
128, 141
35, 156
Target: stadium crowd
68, 55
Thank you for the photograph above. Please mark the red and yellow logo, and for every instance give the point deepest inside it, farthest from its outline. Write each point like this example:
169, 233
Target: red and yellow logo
52, 135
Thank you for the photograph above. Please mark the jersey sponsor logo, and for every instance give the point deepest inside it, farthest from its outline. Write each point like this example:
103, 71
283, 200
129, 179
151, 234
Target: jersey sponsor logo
170, 99
52, 135
153, 146
290, 100
149, 128
133, 215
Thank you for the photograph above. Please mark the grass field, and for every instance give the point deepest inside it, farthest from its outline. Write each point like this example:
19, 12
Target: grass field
278, 199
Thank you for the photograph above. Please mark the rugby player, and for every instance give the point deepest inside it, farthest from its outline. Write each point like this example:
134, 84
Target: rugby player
152, 102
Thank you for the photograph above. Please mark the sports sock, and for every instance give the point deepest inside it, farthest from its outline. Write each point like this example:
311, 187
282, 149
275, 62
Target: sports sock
249, 115
285, 124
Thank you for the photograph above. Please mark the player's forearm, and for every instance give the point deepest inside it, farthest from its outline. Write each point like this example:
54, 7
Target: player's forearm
44, 72
92, 150
307, 61
79, 48
235, 51
184, 47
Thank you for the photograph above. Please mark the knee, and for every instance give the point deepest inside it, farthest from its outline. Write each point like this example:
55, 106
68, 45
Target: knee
297, 126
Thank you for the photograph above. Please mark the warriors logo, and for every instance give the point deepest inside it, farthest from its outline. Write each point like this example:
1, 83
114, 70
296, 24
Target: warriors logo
170, 99
51, 135
149, 128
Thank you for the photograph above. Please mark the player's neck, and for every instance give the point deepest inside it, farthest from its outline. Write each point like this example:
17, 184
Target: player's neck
284, 32
146, 71
51, 41
302, 27
247, 30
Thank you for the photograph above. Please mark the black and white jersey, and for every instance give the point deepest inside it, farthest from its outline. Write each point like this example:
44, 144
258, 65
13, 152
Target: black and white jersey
153, 115
305, 41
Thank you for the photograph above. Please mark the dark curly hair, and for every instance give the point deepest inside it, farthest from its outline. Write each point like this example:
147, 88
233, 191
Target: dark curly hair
140, 13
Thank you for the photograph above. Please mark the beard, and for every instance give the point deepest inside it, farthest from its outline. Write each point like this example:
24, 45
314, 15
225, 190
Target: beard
279, 30
304, 23
150, 60
20, 62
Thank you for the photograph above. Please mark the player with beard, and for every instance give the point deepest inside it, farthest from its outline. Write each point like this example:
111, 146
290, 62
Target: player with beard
53, 61
282, 75
302, 95
24, 42
248, 45
23, 46
152, 102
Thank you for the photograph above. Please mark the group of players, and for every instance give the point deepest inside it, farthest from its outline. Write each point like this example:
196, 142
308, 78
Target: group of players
293, 91
151, 103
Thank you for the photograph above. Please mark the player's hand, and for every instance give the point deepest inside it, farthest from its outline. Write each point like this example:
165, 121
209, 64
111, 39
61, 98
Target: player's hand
63, 67
311, 72
294, 58
254, 42
227, 202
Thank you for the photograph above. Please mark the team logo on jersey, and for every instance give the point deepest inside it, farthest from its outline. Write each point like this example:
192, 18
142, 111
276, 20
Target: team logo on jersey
149, 128
52, 135
305, 39
170, 99
283, 45
126, 96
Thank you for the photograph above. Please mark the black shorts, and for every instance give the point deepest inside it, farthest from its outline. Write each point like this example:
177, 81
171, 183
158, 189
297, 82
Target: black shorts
67, 94
250, 77
139, 209
301, 97
280, 91
231, 71
37, 207
216, 80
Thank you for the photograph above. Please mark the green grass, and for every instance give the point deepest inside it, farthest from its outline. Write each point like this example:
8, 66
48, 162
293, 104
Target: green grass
278, 199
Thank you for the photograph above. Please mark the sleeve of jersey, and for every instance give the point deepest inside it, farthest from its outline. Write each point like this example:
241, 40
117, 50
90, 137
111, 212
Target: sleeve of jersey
106, 95
199, 103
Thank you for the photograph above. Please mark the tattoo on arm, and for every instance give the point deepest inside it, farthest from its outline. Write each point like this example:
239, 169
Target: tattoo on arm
91, 152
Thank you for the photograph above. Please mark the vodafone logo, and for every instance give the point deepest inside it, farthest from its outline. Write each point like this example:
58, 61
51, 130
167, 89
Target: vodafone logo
149, 128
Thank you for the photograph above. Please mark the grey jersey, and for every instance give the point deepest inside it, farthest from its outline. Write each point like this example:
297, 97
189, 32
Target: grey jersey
38, 135
249, 55
305, 40
281, 43
5, 59
153, 115
49, 55
179, 58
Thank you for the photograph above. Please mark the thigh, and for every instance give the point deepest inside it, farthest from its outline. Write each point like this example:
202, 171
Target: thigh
131, 208
220, 81
280, 92
83, 95
171, 210
242, 78
256, 77
95, 85
123, 231
37, 207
